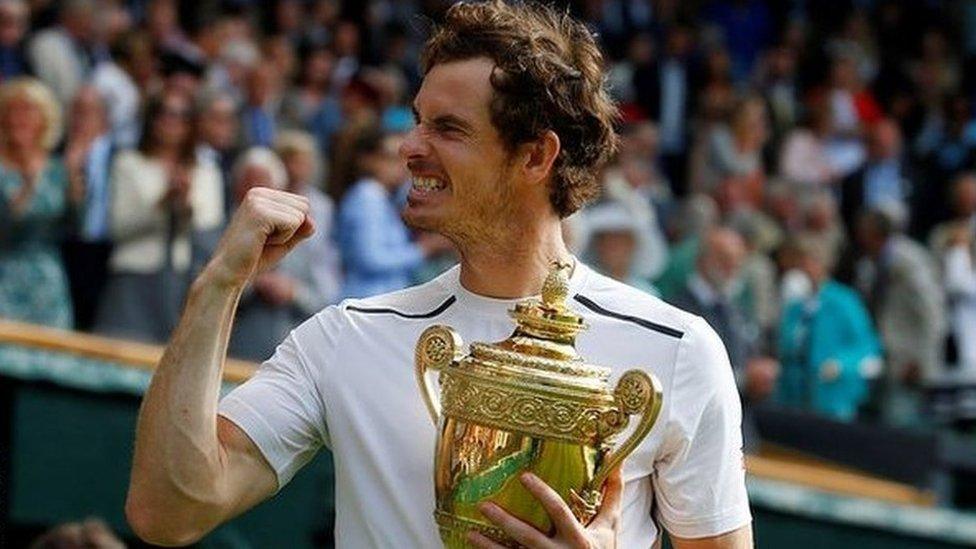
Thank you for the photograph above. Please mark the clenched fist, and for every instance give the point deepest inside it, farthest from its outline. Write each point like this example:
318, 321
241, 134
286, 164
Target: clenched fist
266, 226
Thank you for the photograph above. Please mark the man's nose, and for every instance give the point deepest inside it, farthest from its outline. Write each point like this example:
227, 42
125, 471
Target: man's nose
413, 145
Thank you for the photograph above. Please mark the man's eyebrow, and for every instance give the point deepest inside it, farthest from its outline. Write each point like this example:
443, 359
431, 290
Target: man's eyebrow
444, 120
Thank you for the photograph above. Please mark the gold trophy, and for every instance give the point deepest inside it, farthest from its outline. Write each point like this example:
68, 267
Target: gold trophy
529, 403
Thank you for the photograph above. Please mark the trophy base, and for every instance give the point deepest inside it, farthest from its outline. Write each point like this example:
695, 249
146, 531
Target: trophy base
454, 531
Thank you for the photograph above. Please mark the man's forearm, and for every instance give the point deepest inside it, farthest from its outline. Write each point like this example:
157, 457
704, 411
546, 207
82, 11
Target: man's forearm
736, 539
176, 471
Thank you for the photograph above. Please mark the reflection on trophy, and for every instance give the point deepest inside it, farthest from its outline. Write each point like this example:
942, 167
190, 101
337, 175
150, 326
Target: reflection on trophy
529, 403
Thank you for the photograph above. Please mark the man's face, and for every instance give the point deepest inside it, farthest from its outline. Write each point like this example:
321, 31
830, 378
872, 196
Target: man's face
462, 177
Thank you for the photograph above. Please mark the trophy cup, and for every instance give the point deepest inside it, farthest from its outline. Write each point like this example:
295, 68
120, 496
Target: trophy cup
529, 403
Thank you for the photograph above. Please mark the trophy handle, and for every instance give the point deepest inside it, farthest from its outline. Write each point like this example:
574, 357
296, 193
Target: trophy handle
438, 347
636, 392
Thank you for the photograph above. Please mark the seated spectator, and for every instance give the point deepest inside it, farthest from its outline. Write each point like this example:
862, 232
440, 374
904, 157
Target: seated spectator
163, 194
321, 279
907, 304
88, 158
614, 236
827, 344
36, 198
14, 19
377, 252
714, 293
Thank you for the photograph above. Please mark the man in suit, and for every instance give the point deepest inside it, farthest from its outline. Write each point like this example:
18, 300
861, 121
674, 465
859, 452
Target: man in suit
885, 180
907, 304
713, 292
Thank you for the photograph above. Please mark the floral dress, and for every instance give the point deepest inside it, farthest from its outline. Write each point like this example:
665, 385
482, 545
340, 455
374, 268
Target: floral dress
33, 282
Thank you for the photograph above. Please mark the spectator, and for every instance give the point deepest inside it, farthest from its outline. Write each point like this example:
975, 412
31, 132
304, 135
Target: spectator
805, 158
377, 252
614, 235
63, 56
633, 182
259, 118
666, 93
714, 292
953, 244
162, 194
88, 158
14, 16
360, 114
266, 310
907, 304
319, 272
36, 202
311, 104
218, 132
886, 179
828, 347
778, 83
131, 71
698, 214
735, 151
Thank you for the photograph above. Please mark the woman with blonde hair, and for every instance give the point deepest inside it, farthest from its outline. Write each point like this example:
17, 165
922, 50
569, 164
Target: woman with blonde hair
37, 197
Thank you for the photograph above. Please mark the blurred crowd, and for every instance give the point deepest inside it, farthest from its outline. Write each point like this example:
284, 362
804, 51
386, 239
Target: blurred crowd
800, 173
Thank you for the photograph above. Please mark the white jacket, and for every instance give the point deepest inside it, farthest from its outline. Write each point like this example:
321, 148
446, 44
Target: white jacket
140, 224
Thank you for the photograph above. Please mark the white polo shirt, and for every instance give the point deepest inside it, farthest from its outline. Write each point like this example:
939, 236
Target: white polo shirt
344, 379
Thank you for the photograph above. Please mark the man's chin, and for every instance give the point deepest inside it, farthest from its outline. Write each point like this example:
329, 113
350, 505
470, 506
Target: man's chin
420, 221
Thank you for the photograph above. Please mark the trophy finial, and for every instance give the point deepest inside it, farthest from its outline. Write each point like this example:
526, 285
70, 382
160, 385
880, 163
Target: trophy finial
556, 286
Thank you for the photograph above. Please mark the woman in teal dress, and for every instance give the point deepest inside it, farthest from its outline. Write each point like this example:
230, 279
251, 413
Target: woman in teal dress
828, 347
35, 205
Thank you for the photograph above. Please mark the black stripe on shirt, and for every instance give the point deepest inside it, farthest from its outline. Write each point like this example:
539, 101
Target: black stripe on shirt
385, 310
660, 328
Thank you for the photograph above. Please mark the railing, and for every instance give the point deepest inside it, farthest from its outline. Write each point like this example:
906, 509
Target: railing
126, 353
772, 464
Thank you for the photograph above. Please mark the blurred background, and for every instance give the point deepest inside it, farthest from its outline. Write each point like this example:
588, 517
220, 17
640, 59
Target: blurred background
801, 173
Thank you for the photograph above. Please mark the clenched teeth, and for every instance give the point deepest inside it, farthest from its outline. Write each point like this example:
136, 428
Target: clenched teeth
428, 184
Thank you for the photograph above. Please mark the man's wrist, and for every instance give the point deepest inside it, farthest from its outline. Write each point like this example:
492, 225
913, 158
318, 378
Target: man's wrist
218, 277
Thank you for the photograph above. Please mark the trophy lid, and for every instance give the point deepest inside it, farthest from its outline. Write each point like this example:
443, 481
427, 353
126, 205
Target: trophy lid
543, 343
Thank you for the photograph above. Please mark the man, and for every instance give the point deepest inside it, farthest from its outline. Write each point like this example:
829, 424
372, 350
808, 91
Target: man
88, 155
713, 291
62, 56
512, 124
907, 303
884, 182
217, 134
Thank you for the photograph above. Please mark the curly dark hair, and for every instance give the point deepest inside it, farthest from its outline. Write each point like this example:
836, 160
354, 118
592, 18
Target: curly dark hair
548, 75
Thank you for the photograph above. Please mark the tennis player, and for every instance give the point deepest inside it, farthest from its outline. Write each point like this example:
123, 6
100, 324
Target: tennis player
513, 123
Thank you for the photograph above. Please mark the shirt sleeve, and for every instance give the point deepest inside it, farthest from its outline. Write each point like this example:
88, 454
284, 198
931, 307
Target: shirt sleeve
699, 480
281, 408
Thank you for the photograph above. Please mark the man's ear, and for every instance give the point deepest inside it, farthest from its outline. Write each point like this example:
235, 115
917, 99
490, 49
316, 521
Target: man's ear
541, 155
